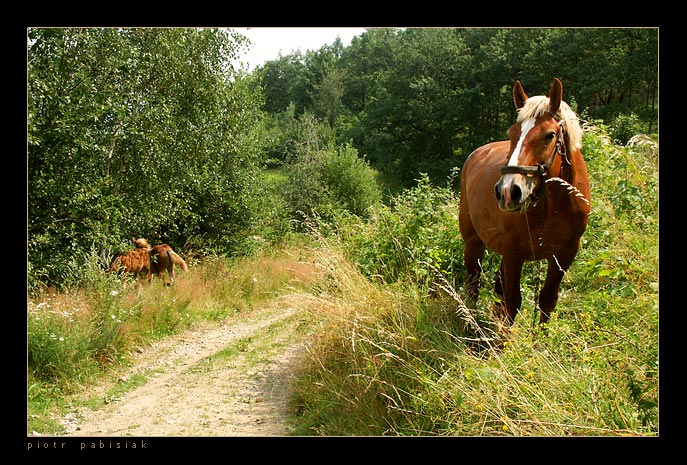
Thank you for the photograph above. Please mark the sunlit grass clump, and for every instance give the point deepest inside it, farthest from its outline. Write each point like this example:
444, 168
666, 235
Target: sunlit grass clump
406, 357
77, 336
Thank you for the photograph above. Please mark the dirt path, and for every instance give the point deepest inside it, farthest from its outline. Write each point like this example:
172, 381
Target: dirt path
221, 379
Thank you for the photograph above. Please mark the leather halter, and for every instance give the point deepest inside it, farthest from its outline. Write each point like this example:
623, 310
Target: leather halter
543, 168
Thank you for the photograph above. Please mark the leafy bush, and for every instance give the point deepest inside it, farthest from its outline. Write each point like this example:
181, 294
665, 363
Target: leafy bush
625, 126
414, 238
324, 178
349, 180
138, 132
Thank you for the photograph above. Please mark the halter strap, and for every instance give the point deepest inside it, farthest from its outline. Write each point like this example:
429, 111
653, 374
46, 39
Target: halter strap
526, 170
541, 169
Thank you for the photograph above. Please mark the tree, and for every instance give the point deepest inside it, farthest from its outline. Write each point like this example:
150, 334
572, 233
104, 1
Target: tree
139, 131
421, 99
279, 80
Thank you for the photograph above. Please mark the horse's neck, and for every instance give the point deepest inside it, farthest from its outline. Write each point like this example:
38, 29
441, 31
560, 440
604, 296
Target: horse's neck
572, 166
572, 177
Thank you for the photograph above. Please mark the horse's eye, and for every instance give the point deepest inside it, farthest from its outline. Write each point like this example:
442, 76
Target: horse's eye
548, 138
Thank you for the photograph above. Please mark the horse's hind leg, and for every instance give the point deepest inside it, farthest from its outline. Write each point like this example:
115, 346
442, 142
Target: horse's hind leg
507, 287
473, 254
170, 268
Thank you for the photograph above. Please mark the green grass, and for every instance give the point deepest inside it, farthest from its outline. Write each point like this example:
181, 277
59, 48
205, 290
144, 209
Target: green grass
258, 348
395, 351
76, 338
401, 356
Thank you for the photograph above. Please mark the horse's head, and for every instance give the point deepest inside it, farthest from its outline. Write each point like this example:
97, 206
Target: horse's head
141, 243
535, 138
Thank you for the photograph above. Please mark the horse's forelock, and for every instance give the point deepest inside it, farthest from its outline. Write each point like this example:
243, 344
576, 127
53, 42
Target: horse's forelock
539, 105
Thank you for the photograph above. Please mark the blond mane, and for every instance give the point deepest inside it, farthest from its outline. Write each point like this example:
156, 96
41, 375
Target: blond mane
538, 105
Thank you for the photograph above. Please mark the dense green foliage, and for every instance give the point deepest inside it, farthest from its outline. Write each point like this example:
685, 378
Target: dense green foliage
395, 361
421, 99
137, 132
152, 133
413, 240
324, 178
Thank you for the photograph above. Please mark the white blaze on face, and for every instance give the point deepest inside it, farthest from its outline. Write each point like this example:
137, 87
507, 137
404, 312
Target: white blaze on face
525, 127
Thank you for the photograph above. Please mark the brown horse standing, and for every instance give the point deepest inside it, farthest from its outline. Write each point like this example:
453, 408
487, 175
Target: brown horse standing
526, 199
164, 258
136, 261
148, 260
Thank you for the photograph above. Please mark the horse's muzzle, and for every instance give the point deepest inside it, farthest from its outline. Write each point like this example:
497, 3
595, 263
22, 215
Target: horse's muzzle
514, 192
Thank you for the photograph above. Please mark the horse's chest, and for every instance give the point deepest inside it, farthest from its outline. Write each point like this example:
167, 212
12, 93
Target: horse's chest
533, 237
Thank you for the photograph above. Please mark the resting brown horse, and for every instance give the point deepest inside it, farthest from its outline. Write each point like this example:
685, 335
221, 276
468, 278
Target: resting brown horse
526, 199
148, 260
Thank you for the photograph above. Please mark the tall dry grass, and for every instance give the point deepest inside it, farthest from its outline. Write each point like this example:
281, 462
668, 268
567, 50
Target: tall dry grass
79, 335
392, 361
398, 358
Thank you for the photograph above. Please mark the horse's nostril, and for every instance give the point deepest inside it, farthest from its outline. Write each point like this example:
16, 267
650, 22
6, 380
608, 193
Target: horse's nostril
497, 192
515, 194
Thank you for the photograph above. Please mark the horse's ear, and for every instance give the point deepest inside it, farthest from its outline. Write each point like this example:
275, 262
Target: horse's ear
555, 96
133, 239
519, 95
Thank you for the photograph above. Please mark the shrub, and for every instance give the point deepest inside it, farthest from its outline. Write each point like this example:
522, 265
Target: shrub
349, 180
415, 238
624, 127
324, 178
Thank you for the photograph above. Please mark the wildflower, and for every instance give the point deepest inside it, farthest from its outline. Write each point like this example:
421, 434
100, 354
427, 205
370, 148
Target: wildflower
114, 293
504, 427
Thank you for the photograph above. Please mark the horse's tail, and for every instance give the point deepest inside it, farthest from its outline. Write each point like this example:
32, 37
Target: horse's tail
177, 260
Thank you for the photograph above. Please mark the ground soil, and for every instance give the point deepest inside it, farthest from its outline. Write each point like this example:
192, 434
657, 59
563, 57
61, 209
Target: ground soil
196, 386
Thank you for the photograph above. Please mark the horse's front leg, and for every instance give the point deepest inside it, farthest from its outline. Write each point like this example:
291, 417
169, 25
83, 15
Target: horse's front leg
507, 286
548, 297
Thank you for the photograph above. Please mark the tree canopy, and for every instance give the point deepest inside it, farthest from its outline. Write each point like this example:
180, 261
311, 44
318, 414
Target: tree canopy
151, 131
138, 131
421, 99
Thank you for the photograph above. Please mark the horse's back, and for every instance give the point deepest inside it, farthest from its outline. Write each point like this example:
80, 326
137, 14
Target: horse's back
479, 215
482, 164
478, 176
134, 261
